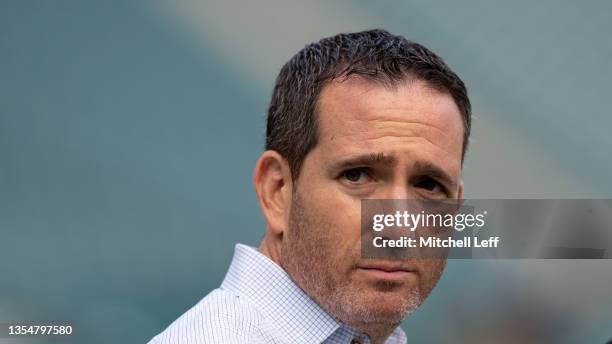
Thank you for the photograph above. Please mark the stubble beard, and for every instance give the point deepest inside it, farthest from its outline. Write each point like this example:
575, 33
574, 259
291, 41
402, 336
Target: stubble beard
307, 256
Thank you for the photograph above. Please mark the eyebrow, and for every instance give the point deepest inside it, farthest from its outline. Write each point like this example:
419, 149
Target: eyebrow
370, 159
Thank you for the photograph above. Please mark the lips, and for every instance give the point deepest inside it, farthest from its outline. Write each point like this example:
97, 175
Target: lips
387, 270
388, 267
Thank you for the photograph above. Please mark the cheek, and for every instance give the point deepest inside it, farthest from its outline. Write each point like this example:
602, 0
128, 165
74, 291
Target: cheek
335, 214
431, 271
341, 215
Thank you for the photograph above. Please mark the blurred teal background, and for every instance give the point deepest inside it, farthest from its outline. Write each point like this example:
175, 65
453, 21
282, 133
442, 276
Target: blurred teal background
129, 131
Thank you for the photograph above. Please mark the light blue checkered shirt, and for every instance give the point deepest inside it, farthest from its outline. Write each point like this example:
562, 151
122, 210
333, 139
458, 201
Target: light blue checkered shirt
259, 303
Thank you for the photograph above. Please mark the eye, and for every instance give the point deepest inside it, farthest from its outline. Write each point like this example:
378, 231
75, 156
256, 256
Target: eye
431, 185
356, 176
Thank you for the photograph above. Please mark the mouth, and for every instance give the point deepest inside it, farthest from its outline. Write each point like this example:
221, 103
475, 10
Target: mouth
387, 271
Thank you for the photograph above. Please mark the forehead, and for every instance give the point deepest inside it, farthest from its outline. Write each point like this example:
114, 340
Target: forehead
357, 114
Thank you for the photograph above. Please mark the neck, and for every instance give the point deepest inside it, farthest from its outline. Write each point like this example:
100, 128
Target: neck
378, 332
270, 247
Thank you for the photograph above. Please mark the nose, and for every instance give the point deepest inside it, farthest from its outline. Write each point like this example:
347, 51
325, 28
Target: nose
398, 190
394, 195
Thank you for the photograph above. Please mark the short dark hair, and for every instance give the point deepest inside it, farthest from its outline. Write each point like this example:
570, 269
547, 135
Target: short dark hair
375, 55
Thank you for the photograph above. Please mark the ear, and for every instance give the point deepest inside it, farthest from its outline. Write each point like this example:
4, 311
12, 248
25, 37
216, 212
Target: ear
273, 185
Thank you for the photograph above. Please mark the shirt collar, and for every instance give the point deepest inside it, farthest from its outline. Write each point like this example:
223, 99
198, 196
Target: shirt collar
294, 314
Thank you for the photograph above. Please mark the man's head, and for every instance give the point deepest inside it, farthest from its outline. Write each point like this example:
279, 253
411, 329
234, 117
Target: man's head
376, 56
356, 116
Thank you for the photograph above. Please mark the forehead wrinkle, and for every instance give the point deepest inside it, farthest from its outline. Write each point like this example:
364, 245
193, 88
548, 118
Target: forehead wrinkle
343, 150
400, 118
438, 115
349, 118
413, 138
376, 121
369, 138
431, 134
369, 125
362, 101
373, 134
414, 99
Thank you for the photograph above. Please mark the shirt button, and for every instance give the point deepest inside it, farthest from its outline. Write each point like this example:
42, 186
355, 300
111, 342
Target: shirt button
356, 341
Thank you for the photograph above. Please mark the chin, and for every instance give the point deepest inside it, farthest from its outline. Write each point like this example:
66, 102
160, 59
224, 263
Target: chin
378, 306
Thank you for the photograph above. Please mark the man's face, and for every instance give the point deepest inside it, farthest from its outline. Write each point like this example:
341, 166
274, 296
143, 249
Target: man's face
374, 142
